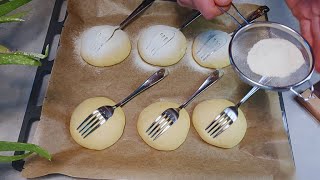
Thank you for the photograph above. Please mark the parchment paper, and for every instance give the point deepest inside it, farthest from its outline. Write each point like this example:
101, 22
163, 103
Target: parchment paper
264, 152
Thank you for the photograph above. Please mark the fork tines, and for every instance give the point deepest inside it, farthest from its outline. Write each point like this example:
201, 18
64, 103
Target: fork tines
91, 123
159, 126
219, 124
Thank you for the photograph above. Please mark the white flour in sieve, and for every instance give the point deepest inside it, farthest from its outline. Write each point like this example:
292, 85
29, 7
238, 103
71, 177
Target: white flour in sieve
274, 58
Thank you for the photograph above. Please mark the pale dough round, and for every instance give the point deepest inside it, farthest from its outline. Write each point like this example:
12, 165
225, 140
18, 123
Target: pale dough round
162, 45
210, 49
107, 134
174, 136
97, 50
206, 111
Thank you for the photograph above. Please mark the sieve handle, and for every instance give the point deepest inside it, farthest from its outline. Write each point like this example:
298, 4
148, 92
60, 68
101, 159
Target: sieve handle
311, 96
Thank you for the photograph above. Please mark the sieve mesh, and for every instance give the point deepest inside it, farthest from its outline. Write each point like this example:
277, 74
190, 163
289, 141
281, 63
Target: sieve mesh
249, 35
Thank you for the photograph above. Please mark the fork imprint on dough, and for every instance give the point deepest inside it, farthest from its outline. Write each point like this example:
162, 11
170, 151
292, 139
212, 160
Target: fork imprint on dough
211, 45
101, 39
160, 40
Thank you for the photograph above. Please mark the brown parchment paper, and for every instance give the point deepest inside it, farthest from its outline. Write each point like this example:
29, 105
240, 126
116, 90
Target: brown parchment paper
264, 152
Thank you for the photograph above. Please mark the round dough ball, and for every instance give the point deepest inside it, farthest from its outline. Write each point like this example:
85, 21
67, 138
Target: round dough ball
162, 45
174, 136
210, 49
107, 134
100, 48
205, 112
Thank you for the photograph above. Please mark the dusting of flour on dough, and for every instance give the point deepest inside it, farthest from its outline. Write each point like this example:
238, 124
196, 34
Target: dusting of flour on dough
76, 50
140, 64
191, 63
274, 58
186, 61
76, 54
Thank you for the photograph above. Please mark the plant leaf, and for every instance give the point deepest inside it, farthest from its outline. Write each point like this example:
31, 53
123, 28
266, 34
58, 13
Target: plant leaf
8, 58
14, 158
34, 55
16, 146
13, 18
7, 19
11, 5
4, 49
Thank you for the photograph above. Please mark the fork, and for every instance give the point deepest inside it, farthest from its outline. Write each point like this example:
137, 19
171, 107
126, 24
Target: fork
143, 6
171, 115
103, 113
229, 115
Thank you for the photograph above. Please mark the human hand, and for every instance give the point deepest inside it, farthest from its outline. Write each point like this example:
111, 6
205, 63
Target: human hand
208, 8
308, 14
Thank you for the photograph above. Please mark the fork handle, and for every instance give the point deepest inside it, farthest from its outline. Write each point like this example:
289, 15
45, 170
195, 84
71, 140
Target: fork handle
247, 96
152, 80
213, 77
190, 19
144, 5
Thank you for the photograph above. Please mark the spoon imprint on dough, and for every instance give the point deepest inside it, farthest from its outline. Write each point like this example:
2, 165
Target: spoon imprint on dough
212, 44
160, 40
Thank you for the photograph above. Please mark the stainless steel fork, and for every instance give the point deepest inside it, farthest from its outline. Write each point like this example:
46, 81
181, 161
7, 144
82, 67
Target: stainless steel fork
229, 115
143, 6
102, 114
171, 115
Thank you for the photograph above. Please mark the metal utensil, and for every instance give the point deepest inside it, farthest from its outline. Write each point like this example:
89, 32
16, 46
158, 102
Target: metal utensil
164, 37
190, 19
143, 6
262, 10
229, 115
245, 38
102, 114
171, 115
216, 42
251, 33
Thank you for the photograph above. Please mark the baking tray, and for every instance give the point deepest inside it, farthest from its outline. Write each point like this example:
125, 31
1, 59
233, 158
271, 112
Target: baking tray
33, 110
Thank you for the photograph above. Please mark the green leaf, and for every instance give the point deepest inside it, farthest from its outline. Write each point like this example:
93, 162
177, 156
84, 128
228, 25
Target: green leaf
13, 18
4, 49
34, 55
8, 58
15, 146
11, 5
14, 158
5, 19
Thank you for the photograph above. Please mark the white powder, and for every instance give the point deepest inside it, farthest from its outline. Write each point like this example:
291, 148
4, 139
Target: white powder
186, 61
274, 58
76, 55
140, 64
191, 63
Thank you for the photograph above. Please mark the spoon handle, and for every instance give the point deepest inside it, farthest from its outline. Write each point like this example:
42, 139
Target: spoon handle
214, 77
152, 80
